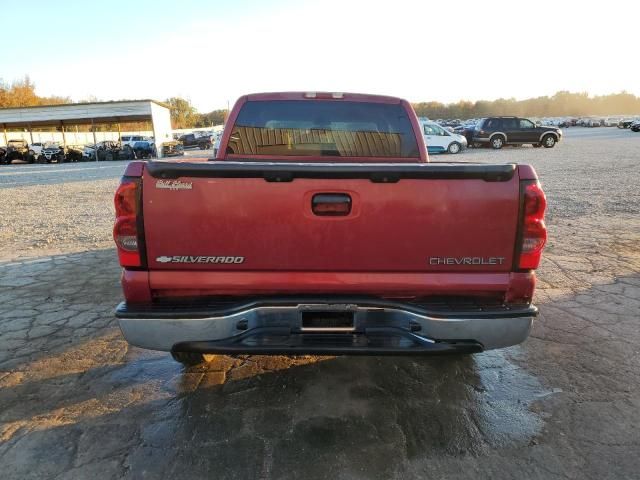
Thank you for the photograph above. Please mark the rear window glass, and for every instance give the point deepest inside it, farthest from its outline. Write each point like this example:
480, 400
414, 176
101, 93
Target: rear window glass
323, 128
492, 123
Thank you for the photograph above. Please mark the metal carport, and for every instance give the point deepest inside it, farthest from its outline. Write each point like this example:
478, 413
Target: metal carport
91, 114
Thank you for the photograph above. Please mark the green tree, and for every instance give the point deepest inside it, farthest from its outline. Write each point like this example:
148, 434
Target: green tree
183, 114
215, 117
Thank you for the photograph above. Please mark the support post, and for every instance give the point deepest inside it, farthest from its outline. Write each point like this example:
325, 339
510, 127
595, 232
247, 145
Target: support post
95, 142
64, 137
30, 134
119, 135
156, 142
4, 130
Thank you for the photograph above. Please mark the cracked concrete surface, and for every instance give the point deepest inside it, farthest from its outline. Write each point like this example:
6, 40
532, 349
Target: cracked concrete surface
77, 402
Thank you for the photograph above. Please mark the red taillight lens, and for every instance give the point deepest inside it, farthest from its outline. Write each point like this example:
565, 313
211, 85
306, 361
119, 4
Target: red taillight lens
535, 202
125, 199
125, 230
534, 231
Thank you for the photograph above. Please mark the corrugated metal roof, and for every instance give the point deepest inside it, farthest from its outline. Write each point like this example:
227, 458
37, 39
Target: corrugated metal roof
79, 113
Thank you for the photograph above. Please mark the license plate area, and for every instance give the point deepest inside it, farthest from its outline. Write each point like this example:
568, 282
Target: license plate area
327, 320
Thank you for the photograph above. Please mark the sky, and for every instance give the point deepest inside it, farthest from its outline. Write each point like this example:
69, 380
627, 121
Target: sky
212, 52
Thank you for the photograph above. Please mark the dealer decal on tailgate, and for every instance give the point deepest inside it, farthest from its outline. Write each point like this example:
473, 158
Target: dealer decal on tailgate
174, 185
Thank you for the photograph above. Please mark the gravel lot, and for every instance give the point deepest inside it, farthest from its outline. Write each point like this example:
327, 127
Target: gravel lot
78, 402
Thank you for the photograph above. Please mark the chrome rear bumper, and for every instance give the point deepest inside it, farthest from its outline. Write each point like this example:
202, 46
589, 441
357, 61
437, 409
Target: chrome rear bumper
378, 327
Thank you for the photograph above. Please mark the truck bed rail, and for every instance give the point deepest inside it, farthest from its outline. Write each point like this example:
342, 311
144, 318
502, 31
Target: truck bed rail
288, 171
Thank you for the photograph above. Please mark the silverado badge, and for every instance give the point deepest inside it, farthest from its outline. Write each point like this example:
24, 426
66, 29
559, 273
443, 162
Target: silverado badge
198, 259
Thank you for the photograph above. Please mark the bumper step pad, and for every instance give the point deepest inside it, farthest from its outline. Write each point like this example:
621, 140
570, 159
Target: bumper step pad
374, 341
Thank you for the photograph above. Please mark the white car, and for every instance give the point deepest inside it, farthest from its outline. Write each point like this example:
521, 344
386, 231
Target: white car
37, 148
439, 140
132, 139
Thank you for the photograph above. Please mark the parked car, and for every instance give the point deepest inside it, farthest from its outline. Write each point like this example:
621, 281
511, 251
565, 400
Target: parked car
18, 150
144, 150
626, 122
466, 131
500, 131
172, 149
440, 140
363, 251
107, 150
132, 139
635, 126
593, 122
73, 153
52, 152
191, 140
36, 148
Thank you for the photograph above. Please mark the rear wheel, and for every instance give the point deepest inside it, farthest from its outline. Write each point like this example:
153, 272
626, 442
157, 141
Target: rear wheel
497, 142
548, 141
454, 148
190, 359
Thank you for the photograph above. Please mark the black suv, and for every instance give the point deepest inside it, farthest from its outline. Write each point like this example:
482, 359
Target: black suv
501, 131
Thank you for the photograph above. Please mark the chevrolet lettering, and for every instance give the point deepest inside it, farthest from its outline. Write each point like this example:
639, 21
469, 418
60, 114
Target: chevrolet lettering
466, 260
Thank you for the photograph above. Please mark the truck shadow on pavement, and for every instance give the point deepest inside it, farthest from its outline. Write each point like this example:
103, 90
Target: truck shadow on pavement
91, 407
315, 420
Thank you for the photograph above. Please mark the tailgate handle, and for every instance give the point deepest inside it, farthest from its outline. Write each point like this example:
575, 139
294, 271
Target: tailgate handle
331, 204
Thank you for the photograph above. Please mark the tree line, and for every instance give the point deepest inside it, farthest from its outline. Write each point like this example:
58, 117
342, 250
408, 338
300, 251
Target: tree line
562, 104
22, 93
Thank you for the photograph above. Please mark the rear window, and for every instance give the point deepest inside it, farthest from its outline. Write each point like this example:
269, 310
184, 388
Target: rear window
323, 128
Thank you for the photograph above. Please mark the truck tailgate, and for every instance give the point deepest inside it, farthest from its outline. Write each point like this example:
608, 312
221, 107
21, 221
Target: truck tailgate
227, 216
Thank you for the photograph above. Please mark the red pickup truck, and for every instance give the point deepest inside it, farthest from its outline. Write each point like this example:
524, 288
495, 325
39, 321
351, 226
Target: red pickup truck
322, 228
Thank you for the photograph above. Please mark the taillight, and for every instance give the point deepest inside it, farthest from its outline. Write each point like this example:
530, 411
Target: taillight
125, 230
534, 231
